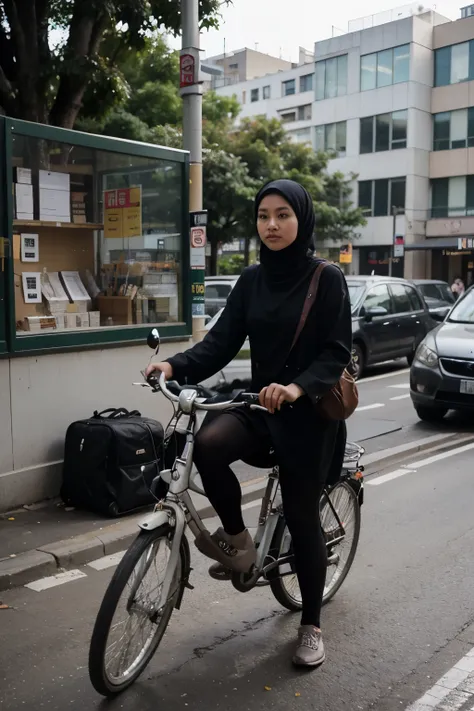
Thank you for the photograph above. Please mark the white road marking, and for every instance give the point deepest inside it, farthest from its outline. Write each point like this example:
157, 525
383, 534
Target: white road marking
452, 690
370, 407
400, 397
442, 455
107, 561
401, 386
382, 377
414, 466
54, 580
388, 477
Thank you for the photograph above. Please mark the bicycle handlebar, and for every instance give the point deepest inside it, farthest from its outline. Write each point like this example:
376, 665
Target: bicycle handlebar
160, 384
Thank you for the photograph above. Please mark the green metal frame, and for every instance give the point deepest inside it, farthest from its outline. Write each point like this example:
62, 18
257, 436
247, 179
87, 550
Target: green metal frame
76, 340
4, 234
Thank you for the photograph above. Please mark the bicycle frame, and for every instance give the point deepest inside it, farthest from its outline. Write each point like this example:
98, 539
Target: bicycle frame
178, 510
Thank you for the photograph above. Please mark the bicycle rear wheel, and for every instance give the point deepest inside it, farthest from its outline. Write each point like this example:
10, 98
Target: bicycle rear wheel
341, 553
283, 580
129, 627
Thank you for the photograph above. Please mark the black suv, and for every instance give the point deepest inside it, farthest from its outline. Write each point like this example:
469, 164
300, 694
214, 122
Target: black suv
389, 319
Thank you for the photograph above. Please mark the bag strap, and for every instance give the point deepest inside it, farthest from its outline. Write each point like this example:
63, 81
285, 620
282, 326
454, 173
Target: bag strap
114, 413
309, 301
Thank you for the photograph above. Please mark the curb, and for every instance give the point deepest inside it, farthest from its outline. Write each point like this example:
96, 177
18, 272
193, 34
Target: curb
52, 558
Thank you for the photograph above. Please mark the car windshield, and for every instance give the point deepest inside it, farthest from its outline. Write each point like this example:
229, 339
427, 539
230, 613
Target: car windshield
356, 292
446, 293
463, 312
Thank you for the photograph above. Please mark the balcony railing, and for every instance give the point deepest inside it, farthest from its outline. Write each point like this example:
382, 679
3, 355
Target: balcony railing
448, 211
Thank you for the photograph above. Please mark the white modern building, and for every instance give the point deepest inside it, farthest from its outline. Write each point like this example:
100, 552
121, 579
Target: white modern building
368, 96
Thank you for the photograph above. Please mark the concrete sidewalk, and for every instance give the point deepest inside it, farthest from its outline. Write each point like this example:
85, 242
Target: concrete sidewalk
43, 539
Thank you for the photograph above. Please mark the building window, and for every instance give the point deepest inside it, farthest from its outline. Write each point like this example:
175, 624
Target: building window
303, 135
233, 66
304, 112
254, 95
306, 83
391, 66
331, 77
377, 198
266, 92
452, 197
244, 96
453, 129
331, 138
454, 64
288, 116
289, 87
383, 132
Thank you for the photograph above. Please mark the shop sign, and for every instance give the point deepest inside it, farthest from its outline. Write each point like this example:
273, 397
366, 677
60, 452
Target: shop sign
123, 213
465, 242
198, 237
345, 254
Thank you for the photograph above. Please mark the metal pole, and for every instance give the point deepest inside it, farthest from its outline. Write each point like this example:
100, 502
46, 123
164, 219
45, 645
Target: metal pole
192, 140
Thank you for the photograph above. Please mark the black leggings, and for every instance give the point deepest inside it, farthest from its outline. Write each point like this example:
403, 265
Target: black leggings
225, 440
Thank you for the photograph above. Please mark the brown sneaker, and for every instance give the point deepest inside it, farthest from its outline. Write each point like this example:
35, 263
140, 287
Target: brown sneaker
310, 648
237, 553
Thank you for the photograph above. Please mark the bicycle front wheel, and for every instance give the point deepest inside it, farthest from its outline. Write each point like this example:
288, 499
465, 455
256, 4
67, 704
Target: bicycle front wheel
129, 626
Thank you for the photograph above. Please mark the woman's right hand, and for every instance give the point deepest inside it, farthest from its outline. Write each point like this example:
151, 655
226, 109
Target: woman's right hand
164, 367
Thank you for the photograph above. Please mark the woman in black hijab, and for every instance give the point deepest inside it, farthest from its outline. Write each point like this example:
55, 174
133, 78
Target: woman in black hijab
266, 305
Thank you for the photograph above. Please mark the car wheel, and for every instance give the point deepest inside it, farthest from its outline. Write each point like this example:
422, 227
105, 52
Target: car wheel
431, 414
358, 361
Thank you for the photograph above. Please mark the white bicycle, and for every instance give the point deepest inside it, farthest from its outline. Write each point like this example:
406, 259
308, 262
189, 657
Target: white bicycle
150, 581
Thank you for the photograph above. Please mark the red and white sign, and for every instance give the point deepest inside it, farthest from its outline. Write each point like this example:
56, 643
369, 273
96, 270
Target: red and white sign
198, 236
187, 66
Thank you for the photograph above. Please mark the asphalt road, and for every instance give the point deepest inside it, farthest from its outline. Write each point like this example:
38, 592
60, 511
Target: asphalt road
402, 619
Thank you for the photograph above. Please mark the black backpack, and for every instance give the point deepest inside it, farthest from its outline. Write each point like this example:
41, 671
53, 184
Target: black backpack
103, 462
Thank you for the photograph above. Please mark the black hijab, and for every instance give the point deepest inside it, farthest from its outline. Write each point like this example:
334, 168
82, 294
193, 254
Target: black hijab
281, 286
286, 267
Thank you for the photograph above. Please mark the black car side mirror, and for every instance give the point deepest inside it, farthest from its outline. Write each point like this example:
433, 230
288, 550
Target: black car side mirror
373, 312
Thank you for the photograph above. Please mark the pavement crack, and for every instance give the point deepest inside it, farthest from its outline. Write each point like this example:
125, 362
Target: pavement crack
201, 652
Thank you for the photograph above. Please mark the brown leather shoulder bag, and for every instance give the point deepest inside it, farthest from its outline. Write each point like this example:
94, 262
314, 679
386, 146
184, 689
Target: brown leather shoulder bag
340, 402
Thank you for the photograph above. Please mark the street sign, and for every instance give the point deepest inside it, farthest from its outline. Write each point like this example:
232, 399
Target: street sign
187, 67
198, 218
399, 246
198, 237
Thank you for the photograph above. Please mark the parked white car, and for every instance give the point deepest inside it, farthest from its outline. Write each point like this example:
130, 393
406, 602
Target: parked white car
238, 369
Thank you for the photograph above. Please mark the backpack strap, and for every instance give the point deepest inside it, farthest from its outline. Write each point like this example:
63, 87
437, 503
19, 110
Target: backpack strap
309, 301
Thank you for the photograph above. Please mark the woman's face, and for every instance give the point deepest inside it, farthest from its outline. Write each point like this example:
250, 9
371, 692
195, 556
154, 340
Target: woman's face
277, 224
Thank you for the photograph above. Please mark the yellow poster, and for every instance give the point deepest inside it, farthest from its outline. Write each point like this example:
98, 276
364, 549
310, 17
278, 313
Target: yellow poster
132, 214
345, 254
123, 213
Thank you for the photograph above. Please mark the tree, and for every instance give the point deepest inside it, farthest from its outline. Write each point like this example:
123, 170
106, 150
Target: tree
267, 150
49, 84
229, 191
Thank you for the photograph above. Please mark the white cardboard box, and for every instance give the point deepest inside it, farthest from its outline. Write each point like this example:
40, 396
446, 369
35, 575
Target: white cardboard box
55, 205
82, 320
71, 320
24, 201
52, 180
23, 175
94, 319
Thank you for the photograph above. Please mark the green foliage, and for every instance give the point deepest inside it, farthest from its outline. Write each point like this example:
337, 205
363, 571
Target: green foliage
232, 264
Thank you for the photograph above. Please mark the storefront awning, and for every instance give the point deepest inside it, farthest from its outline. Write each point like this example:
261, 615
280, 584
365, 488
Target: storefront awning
435, 243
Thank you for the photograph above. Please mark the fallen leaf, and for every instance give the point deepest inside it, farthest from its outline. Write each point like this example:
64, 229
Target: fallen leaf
11, 518
268, 688
4, 607
297, 693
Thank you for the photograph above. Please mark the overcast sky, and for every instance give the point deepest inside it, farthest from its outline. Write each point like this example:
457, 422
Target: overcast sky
279, 27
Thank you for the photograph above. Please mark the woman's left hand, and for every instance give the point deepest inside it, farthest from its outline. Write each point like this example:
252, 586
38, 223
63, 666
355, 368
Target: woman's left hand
273, 396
